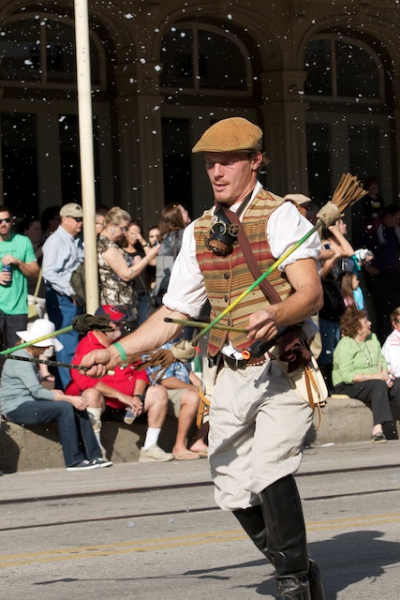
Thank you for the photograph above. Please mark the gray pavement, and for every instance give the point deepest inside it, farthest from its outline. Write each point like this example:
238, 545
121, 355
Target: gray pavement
127, 476
153, 532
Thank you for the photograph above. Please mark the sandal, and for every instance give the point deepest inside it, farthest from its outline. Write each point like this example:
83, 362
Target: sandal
186, 455
378, 438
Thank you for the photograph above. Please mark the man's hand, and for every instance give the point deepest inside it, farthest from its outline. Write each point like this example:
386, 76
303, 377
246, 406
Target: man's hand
134, 403
5, 278
99, 362
78, 401
9, 260
262, 325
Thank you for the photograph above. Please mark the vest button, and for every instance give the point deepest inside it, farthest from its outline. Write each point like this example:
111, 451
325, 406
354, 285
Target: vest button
226, 298
227, 275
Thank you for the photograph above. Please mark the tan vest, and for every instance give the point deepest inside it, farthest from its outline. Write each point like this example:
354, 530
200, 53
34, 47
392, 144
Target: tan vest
227, 277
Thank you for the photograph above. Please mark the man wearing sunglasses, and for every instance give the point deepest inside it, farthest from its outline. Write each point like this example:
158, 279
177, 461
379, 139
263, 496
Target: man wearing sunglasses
17, 262
62, 254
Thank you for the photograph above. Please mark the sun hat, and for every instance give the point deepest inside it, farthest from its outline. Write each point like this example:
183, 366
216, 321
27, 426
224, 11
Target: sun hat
71, 210
116, 316
234, 134
38, 329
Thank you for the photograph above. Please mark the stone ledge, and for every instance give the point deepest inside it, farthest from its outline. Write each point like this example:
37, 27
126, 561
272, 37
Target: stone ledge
38, 447
26, 449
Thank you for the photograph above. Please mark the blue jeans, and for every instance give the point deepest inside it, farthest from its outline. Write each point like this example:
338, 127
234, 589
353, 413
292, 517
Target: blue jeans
62, 310
74, 428
143, 307
330, 335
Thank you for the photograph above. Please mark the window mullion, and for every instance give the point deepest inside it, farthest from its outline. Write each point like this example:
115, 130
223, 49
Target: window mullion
196, 70
334, 70
43, 52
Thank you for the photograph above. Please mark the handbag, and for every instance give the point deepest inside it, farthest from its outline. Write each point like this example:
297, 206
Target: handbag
36, 305
78, 284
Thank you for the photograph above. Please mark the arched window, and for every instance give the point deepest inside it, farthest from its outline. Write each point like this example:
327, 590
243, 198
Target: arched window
339, 69
41, 51
200, 58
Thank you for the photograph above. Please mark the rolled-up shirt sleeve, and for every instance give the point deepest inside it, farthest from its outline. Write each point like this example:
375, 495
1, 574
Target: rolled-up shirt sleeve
285, 227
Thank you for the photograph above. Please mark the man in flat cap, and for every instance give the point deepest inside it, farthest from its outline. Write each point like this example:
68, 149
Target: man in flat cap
257, 422
63, 253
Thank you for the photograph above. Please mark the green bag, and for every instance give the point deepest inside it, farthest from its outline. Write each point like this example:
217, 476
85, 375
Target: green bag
78, 282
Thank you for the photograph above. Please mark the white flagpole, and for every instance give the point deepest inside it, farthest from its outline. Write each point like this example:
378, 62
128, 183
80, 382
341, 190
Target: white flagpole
86, 152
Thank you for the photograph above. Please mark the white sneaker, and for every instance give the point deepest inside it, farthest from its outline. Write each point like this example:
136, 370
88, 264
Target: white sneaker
154, 454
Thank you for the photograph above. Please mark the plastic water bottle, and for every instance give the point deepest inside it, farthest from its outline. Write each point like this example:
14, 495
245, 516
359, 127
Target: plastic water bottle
8, 269
196, 365
129, 416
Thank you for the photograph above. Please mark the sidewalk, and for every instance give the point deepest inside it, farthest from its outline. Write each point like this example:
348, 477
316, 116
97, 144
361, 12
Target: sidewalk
51, 483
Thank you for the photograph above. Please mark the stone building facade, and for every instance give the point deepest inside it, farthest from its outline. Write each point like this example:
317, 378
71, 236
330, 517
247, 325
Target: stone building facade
321, 79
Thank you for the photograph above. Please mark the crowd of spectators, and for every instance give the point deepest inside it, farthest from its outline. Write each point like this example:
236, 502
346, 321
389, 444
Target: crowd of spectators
359, 274
361, 285
127, 267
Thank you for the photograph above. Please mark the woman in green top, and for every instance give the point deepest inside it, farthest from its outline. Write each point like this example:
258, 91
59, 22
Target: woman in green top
360, 370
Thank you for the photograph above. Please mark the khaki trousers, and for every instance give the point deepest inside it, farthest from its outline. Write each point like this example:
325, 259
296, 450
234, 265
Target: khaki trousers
257, 426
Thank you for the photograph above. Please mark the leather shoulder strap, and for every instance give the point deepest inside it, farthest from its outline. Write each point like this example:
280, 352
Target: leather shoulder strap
269, 292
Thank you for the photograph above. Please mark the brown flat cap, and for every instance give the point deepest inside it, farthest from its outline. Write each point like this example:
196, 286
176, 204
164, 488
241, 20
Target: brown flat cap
230, 135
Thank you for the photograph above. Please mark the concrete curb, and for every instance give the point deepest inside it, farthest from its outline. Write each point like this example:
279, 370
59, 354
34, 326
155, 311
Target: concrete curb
344, 420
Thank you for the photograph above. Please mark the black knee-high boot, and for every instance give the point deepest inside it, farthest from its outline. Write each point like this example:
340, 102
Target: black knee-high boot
252, 521
286, 538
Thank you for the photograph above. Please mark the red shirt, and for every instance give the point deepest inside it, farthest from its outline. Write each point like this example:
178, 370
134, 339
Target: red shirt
124, 380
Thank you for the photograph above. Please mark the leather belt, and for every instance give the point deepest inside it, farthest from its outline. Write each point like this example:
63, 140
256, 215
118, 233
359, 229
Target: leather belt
234, 363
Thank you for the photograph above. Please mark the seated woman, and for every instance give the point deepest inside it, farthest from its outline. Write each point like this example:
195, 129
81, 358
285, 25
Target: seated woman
25, 402
360, 369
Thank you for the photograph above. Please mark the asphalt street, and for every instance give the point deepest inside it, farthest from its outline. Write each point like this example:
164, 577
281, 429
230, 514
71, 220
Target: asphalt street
153, 531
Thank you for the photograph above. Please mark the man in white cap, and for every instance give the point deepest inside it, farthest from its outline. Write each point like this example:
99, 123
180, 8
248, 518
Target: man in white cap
257, 422
62, 254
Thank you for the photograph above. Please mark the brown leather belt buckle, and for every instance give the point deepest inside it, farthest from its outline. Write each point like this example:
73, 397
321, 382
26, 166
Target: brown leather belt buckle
256, 362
